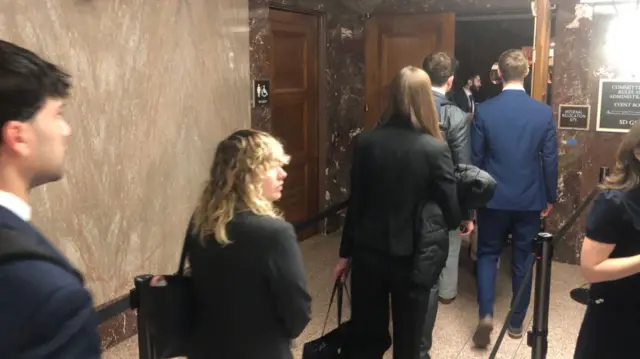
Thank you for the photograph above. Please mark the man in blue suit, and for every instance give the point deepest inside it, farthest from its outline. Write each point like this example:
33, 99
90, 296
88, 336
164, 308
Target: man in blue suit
45, 310
513, 138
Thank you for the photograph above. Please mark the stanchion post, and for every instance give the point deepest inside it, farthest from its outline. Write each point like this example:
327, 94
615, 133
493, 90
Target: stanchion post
145, 344
537, 338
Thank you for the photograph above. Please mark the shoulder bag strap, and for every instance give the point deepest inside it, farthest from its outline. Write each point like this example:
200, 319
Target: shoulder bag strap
185, 248
340, 289
336, 289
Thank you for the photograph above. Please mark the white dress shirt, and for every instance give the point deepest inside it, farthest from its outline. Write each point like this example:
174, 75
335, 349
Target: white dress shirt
517, 87
16, 205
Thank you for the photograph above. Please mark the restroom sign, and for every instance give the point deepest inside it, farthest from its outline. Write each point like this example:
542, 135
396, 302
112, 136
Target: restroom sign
261, 92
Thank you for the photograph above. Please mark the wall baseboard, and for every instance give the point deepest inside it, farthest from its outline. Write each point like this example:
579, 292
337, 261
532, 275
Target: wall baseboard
117, 329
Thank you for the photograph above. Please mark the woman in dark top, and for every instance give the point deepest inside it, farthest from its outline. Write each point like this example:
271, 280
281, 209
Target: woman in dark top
610, 261
403, 202
249, 280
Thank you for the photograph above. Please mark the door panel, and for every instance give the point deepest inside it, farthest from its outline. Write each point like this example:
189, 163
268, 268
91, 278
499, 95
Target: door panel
393, 42
294, 109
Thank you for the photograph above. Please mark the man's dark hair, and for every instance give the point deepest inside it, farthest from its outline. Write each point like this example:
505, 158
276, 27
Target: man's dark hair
513, 65
440, 67
26, 81
472, 76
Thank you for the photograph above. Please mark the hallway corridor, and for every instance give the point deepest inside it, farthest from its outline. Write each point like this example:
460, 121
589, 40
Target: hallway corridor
456, 322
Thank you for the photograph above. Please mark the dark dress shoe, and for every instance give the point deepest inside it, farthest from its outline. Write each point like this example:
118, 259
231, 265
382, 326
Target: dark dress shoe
580, 295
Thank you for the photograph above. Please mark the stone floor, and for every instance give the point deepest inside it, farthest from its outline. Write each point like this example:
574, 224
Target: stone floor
456, 322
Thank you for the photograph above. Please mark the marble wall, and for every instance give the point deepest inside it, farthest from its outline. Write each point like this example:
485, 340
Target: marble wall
156, 84
579, 65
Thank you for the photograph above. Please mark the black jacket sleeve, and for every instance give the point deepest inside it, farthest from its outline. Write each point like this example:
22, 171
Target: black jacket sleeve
287, 282
353, 211
445, 186
461, 100
459, 140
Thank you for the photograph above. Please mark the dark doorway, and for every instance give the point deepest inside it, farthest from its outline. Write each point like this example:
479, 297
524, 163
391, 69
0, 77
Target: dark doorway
481, 40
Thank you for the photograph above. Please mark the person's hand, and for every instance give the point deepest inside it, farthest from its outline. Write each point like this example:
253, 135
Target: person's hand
467, 228
545, 212
342, 269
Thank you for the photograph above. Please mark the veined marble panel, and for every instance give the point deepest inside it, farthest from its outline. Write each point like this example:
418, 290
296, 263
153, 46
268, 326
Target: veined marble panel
157, 83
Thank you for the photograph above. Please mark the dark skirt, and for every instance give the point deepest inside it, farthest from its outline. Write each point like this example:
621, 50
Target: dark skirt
610, 330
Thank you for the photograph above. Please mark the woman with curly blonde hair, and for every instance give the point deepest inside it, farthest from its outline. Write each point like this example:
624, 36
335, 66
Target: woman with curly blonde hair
248, 277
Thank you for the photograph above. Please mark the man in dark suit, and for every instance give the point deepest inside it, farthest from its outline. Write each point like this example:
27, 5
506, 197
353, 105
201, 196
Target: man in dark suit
464, 98
513, 138
45, 310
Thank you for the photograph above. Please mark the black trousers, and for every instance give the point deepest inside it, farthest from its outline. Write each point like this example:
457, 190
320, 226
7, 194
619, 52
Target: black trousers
374, 277
426, 340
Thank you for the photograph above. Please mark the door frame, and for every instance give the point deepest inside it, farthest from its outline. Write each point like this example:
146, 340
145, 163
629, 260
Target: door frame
541, 47
322, 97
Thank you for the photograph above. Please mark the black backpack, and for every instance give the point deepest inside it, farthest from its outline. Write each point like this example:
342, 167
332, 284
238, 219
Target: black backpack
14, 247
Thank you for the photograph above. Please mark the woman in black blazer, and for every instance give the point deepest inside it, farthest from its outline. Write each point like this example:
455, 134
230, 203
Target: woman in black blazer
403, 203
248, 276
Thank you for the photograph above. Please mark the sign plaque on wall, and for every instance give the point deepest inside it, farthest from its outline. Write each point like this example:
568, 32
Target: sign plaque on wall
573, 117
618, 105
261, 92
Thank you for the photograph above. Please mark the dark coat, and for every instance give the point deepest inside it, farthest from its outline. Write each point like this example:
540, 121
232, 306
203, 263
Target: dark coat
396, 169
475, 188
455, 126
251, 295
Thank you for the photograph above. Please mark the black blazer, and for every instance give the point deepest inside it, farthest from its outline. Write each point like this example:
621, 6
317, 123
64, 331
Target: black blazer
462, 101
251, 295
395, 170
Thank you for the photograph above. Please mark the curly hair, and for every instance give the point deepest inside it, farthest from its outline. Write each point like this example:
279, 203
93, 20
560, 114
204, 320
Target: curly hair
240, 163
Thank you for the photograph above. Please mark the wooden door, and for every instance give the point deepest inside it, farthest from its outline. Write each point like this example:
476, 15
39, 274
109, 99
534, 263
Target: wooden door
294, 109
393, 42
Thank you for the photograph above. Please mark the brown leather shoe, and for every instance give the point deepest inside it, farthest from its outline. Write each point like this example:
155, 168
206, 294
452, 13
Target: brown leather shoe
482, 336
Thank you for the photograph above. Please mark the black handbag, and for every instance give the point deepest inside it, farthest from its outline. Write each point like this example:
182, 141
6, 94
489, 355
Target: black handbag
329, 345
168, 311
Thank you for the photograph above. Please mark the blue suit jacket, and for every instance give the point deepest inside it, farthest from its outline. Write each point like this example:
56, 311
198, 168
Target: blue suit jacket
513, 138
45, 311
